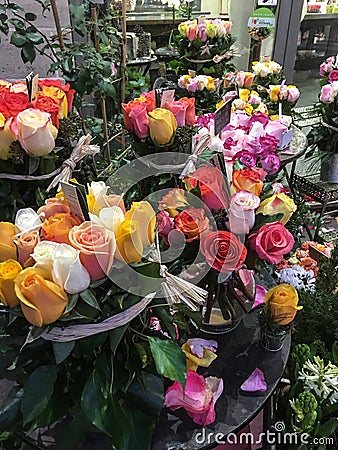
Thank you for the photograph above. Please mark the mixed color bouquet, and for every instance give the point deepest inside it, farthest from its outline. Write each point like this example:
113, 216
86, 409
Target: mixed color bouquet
266, 72
205, 90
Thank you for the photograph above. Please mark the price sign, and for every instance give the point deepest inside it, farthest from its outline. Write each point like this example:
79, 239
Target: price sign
222, 117
76, 199
267, 2
167, 97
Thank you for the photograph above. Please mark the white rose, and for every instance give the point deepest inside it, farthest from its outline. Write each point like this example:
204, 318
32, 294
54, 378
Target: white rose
35, 131
43, 254
110, 218
27, 219
68, 272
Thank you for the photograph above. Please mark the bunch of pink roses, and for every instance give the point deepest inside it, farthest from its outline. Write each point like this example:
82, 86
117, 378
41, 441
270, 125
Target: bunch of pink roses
329, 68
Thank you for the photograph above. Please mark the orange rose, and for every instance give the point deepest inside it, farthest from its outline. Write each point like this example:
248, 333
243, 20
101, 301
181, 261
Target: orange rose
57, 227
281, 303
7, 245
53, 206
25, 245
192, 222
247, 180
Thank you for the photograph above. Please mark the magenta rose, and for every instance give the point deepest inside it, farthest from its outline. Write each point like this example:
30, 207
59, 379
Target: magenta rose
165, 224
333, 75
272, 242
246, 158
259, 117
270, 162
268, 143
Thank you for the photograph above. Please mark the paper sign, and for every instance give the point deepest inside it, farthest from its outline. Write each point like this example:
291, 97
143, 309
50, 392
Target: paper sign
168, 96
222, 117
76, 200
35, 86
262, 18
29, 81
267, 2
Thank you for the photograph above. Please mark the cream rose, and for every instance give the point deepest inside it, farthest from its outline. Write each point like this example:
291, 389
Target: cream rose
27, 219
6, 137
35, 131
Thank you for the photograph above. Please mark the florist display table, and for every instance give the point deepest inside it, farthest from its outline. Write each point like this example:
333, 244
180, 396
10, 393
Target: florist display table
239, 353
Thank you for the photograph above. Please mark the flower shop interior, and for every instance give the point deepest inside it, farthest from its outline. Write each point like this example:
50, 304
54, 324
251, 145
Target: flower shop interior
169, 224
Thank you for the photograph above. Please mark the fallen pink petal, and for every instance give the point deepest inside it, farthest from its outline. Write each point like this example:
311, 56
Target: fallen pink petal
198, 345
255, 382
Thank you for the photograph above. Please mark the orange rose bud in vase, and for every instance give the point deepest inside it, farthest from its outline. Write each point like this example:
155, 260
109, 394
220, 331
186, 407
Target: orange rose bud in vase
281, 304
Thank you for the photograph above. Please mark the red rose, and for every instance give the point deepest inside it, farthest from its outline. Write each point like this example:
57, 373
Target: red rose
192, 222
11, 103
223, 251
65, 87
333, 76
47, 104
272, 242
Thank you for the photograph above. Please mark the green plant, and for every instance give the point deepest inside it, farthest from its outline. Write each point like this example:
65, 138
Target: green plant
136, 82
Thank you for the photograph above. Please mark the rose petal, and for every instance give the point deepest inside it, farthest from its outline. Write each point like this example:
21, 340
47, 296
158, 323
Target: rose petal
255, 382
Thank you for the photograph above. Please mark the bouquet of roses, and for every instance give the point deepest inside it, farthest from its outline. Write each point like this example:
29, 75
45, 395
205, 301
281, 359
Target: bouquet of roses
161, 128
266, 72
206, 45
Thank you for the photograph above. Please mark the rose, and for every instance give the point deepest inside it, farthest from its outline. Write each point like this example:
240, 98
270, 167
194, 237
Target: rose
198, 397
268, 143
6, 137
241, 212
212, 30
190, 114
281, 304
98, 198
255, 99
173, 200
11, 104
271, 242
202, 32
276, 204
68, 272
259, 117
19, 87
244, 94
143, 213
48, 105
148, 99
274, 93
246, 158
165, 224
179, 110
293, 93
4, 86
56, 228
192, 31
333, 76
97, 248
7, 245
244, 79
210, 183
270, 162
223, 251
327, 94
276, 128
59, 96
8, 272
26, 219
136, 119
247, 180
43, 255
53, 206
129, 246
64, 87
42, 301
35, 131
162, 126
110, 218
25, 246
192, 222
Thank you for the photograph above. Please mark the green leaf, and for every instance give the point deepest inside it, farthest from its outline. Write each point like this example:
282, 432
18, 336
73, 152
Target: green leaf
18, 24
169, 359
35, 38
28, 53
38, 390
10, 409
93, 404
18, 39
72, 301
62, 350
90, 299
31, 16
73, 433
33, 164
328, 427
115, 337
147, 393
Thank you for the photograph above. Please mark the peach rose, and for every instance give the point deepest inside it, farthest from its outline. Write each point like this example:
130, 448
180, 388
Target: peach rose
57, 227
173, 200
247, 180
192, 222
53, 206
25, 245
97, 248
7, 245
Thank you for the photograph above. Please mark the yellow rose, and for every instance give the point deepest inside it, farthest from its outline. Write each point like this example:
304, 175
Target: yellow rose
6, 137
281, 304
8, 272
244, 94
143, 213
211, 84
129, 246
274, 117
162, 126
59, 96
7, 245
274, 93
248, 109
219, 104
35, 131
175, 199
42, 301
278, 203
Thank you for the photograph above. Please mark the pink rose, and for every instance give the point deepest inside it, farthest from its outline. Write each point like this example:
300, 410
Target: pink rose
293, 93
259, 117
276, 128
210, 182
333, 75
192, 31
190, 113
97, 247
272, 242
198, 398
270, 162
179, 110
135, 118
193, 85
268, 143
165, 224
202, 32
241, 212
327, 94
246, 158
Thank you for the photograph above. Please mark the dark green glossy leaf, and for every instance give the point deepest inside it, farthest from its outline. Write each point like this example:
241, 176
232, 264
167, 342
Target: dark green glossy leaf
38, 390
34, 163
31, 16
93, 404
169, 359
36, 38
10, 409
88, 297
328, 427
18, 24
18, 39
28, 53
115, 337
62, 350
73, 433
72, 301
